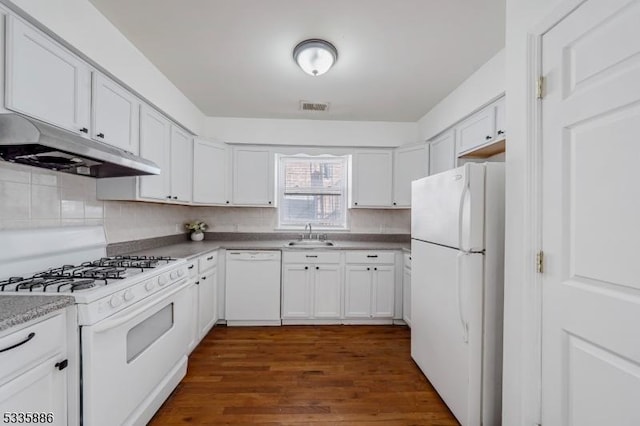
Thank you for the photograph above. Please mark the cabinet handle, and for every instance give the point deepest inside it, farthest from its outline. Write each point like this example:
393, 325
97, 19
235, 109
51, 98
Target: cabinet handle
175, 198
100, 135
375, 269
395, 204
269, 202
355, 204
210, 258
488, 137
372, 255
317, 267
227, 201
84, 130
368, 269
204, 278
29, 337
306, 267
501, 132
190, 266
169, 197
197, 282
311, 255
62, 364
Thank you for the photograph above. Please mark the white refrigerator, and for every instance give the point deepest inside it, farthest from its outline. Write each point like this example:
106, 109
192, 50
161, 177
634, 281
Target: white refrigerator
457, 250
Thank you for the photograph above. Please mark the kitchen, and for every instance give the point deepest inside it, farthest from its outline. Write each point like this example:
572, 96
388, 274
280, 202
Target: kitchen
235, 166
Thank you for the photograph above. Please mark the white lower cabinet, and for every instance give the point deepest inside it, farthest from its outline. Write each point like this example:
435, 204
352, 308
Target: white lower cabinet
370, 286
203, 271
406, 290
311, 287
34, 373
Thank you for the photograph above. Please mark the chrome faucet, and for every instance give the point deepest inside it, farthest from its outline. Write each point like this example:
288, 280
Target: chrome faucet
305, 229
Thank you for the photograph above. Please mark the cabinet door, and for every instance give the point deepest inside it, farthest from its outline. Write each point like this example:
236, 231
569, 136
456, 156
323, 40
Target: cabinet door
357, 301
155, 134
41, 389
115, 114
253, 176
477, 130
44, 80
406, 295
327, 291
210, 170
409, 164
181, 165
442, 153
372, 179
383, 291
296, 291
501, 119
207, 304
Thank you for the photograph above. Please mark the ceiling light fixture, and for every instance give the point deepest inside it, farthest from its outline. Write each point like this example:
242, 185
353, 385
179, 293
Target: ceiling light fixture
315, 56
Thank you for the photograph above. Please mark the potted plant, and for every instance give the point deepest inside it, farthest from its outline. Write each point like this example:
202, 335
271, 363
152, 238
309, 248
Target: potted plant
197, 229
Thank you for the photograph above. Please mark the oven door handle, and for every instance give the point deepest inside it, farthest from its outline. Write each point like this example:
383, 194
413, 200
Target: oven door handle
121, 319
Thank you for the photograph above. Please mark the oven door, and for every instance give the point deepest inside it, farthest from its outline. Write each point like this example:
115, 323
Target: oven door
132, 360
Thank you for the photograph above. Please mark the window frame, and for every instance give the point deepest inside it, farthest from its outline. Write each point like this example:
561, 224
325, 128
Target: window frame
280, 189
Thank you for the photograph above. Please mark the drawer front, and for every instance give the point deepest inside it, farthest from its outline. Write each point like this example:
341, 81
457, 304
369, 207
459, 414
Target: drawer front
371, 257
407, 260
41, 341
208, 261
310, 257
192, 267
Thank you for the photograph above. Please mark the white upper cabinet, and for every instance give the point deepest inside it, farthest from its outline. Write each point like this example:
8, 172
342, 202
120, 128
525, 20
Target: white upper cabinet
155, 145
253, 176
442, 153
476, 130
210, 172
410, 163
181, 165
372, 178
44, 80
115, 114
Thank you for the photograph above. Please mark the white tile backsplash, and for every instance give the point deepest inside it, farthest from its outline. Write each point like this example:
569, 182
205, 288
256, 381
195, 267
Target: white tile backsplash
34, 197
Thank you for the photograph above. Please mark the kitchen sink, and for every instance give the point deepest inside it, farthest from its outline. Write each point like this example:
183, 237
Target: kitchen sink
310, 243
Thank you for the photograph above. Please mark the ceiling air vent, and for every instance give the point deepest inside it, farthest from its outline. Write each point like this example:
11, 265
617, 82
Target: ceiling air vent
314, 106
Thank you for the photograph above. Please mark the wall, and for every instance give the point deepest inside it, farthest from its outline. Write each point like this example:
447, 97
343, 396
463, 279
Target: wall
32, 197
80, 24
519, 390
486, 84
310, 132
361, 221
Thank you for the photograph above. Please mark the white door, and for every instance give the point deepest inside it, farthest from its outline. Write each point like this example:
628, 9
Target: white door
181, 165
357, 300
210, 161
372, 179
442, 154
409, 164
253, 177
296, 291
115, 115
207, 304
44, 80
446, 325
155, 134
591, 206
384, 287
327, 291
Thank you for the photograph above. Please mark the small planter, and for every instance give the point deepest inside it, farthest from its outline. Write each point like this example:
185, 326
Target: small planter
197, 236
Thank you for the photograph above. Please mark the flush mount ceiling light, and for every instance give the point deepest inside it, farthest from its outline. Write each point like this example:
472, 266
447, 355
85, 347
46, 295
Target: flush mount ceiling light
315, 56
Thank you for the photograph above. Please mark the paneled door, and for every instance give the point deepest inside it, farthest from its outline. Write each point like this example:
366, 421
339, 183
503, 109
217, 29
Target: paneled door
591, 206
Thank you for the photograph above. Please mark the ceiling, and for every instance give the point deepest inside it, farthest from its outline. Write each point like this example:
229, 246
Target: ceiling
233, 58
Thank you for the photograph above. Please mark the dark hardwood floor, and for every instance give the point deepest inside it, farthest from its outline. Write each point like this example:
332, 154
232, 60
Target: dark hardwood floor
304, 375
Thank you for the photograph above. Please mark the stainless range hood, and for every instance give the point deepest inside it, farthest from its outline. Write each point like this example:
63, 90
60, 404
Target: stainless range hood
28, 141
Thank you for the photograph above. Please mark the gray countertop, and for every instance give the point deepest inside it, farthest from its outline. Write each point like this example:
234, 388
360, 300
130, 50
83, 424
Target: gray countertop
18, 309
196, 248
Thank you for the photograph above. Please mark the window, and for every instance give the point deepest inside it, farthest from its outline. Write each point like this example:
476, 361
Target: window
312, 190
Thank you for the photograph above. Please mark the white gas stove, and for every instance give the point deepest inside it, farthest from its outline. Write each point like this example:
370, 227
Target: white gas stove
135, 315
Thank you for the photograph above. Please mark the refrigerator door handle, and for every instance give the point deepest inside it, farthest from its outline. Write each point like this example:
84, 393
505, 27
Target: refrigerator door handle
459, 280
463, 199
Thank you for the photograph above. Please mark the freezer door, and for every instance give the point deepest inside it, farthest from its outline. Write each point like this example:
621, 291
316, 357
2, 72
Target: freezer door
446, 325
448, 208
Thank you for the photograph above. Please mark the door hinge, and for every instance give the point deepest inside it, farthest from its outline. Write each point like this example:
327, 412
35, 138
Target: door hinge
540, 262
540, 88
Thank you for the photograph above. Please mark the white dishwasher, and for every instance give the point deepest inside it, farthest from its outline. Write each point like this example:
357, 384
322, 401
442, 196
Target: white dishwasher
252, 288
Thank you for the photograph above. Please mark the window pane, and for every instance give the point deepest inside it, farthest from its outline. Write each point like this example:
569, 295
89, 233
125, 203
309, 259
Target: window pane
313, 175
323, 210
